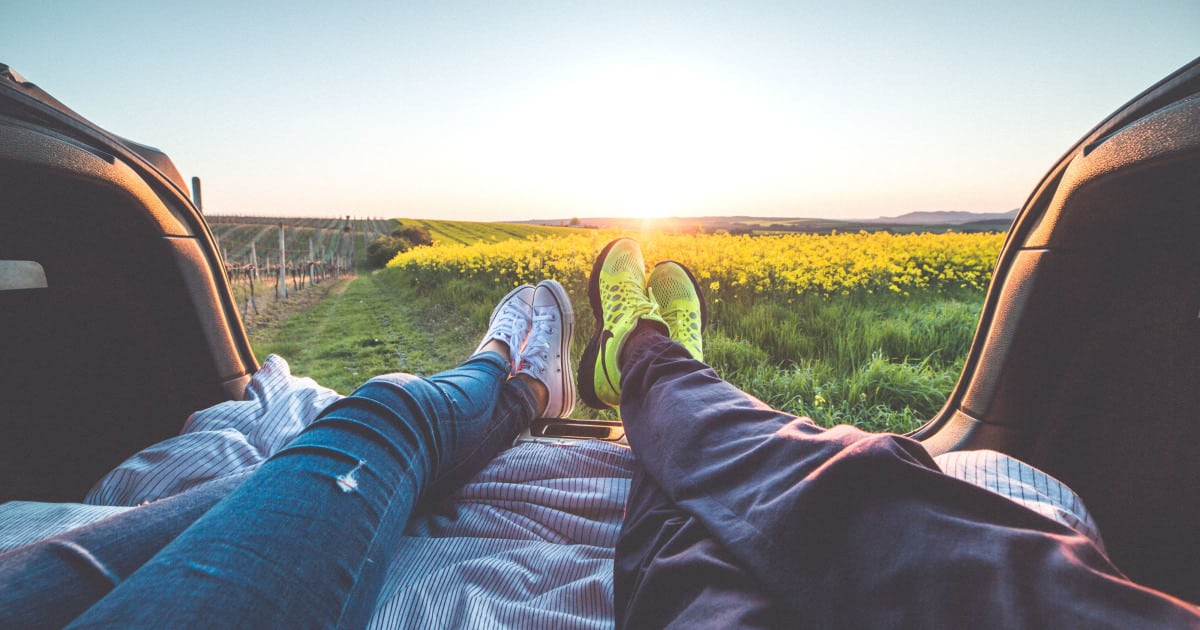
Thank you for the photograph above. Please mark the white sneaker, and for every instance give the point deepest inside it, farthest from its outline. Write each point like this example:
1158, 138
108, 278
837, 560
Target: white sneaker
510, 322
547, 352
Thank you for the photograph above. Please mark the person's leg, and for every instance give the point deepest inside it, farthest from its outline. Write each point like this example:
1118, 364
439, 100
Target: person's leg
290, 544
542, 384
843, 527
668, 570
306, 539
50, 582
518, 404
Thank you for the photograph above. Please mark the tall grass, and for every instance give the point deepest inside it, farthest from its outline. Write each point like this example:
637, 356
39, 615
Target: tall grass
868, 329
863, 329
883, 363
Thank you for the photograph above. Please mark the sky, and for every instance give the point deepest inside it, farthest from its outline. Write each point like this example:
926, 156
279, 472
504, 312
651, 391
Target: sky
550, 110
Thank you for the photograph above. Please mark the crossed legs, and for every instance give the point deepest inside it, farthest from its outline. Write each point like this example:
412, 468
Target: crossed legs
743, 514
305, 540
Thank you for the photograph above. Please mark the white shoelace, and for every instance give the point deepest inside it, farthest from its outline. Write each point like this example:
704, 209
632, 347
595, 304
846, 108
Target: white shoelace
536, 354
510, 328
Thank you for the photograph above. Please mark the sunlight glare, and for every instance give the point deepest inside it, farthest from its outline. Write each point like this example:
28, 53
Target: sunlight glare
646, 141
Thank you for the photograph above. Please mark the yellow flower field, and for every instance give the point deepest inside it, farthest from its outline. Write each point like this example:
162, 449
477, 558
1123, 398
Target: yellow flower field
867, 328
735, 267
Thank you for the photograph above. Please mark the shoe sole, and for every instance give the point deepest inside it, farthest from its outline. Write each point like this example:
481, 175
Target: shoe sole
591, 352
696, 286
568, 333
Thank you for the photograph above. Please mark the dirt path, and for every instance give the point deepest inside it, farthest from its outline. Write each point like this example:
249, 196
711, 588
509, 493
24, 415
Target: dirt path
274, 312
361, 328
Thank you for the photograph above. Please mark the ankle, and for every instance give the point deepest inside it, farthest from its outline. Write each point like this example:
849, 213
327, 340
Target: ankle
497, 346
647, 331
541, 395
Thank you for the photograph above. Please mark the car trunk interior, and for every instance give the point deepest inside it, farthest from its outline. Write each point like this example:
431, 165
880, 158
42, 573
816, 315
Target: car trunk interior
1087, 360
126, 338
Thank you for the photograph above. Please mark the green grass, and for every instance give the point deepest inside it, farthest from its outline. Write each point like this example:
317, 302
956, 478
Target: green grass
881, 362
371, 328
885, 363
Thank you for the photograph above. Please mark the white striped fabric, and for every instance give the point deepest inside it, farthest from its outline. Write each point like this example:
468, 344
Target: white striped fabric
528, 543
222, 440
23, 522
568, 493
1020, 482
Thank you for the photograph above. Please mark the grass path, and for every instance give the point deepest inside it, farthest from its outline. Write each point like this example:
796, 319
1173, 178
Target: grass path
883, 364
372, 327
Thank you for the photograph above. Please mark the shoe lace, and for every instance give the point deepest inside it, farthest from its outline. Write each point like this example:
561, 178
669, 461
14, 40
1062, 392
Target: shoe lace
628, 285
641, 308
536, 354
512, 324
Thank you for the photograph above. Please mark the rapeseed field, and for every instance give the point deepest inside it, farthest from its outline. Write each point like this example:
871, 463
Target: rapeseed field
865, 328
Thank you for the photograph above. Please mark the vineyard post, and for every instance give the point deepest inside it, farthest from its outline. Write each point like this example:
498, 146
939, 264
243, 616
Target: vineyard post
282, 267
253, 275
251, 301
312, 257
253, 260
246, 304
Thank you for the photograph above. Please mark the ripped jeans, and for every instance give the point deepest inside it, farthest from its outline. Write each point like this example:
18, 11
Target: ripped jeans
306, 539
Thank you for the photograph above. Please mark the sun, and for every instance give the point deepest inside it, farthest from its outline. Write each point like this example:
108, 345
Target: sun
646, 199
642, 140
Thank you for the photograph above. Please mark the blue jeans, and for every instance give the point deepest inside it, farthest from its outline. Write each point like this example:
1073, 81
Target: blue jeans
304, 541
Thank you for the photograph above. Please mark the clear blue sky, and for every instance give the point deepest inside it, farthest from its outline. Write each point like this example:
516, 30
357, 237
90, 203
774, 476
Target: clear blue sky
497, 110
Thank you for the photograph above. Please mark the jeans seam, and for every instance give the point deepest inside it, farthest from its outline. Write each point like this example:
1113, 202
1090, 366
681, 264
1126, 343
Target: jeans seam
496, 424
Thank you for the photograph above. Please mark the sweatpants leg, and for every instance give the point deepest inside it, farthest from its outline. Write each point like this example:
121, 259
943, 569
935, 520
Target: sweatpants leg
305, 541
847, 528
670, 572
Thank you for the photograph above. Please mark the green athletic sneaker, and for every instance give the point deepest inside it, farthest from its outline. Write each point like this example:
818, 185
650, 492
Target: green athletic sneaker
680, 303
617, 291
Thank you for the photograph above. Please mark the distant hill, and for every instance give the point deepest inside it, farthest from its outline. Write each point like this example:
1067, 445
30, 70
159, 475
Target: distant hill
947, 217
910, 222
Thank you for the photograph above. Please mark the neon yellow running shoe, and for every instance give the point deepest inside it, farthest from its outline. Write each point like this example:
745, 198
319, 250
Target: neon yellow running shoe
617, 291
680, 303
